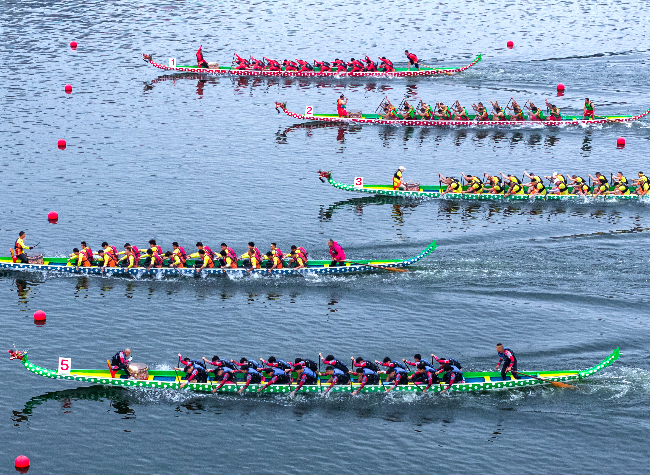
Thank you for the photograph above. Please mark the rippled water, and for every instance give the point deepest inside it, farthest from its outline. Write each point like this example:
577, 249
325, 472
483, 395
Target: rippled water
184, 158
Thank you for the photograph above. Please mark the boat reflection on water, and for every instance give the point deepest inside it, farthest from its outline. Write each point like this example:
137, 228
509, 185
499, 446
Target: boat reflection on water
174, 78
399, 206
309, 127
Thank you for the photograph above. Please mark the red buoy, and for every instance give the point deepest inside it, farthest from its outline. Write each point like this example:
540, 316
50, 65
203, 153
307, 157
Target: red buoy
68, 88
510, 44
620, 142
39, 315
61, 144
52, 215
21, 462
73, 44
560, 87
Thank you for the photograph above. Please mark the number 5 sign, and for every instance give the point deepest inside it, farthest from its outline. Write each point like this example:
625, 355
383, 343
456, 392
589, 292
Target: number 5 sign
358, 182
309, 111
64, 365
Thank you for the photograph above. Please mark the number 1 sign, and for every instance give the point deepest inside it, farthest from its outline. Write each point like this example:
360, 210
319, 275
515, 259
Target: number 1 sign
172, 62
64, 365
358, 182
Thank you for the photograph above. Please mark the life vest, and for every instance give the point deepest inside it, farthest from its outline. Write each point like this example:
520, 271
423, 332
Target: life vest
226, 364
302, 251
85, 262
88, 252
136, 255
312, 377
564, 190
340, 104
209, 252
503, 355
18, 247
370, 365
541, 189
477, 184
312, 365
411, 57
112, 259
514, 179
232, 254
210, 261
181, 254
116, 360
283, 378
623, 188
589, 106
278, 253
255, 376
371, 376
340, 366
397, 179
456, 187
399, 364
199, 57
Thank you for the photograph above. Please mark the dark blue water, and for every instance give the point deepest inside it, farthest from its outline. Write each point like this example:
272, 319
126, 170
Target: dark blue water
183, 158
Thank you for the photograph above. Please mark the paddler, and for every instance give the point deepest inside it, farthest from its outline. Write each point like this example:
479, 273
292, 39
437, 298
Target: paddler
536, 113
205, 261
452, 375
272, 64
174, 260
426, 111
85, 249
193, 374
274, 362
123, 261
408, 111
554, 112
257, 64
78, 258
19, 248
336, 252
304, 375
361, 362
371, 66
398, 183
390, 363
413, 60
296, 260
518, 114
300, 252
515, 187
481, 112
229, 258
199, 58
621, 185
399, 377
559, 185
155, 247
208, 252
323, 66
365, 376
179, 252
225, 375
453, 185
252, 377
336, 377
536, 185
460, 113
474, 184
444, 361
386, 65
245, 362
279, 376
642, 185
443, 111
341, 103
153, 259
507, 356
331, 361
390, 111
253, 258
129, 261
106, 259
417, 359
601, 186
273, 261
588, 112
340, 66
289, 65
120, 361
356, 65
424, 374
305, 67
580, 186
187, 361
498, 111
494, 184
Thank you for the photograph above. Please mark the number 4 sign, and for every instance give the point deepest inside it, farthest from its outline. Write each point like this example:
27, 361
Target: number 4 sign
309, 111
172, 62
64, 365
358, 182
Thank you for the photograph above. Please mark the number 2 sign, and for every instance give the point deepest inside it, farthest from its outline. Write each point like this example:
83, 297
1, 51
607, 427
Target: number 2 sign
309, 111
172, 62
358, 182
64, 365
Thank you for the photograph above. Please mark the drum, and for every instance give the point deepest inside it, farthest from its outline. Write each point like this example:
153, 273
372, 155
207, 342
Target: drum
34, 258
213, 65
412, 186
355, 114
138, 371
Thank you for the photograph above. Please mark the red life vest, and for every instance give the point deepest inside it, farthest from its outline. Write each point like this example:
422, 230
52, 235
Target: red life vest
19, 248
209, 252
88, 252
183, 256
232, 254
136, 255
278, 253
199, 57
412, 57
257, 254
304, 253
157, 260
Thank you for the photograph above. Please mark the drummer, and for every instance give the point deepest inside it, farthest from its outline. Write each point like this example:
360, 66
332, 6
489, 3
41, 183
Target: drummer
398, 184
120, 361
20, 248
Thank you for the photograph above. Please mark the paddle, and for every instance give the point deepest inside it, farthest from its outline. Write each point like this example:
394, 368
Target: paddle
391, 269
554, 383
36, 244
175, 371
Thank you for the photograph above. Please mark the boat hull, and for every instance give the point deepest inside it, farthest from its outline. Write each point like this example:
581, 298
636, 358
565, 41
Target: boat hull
311, 74
475, 381
319, 267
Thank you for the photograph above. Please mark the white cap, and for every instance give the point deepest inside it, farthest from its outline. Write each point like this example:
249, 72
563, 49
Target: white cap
401, 168
554, 173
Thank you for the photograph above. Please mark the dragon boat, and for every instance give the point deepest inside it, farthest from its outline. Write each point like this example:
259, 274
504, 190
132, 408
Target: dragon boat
316, 73
377, 119
60, 265
167, 379
437, 192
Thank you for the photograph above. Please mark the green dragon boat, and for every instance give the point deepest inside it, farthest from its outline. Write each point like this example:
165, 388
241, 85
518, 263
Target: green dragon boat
164, 379
437, 192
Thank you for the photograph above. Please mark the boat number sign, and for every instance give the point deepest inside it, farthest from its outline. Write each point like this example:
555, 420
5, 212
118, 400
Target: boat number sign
309, 111
358, 182
172, 62
64, 365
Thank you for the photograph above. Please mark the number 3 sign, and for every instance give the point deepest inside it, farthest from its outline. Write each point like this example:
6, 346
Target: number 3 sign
358, 182
309, 111
64, 365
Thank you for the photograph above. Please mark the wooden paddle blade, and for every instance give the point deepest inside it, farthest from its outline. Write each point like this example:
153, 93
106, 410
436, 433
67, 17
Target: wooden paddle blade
563, 385
394, 269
